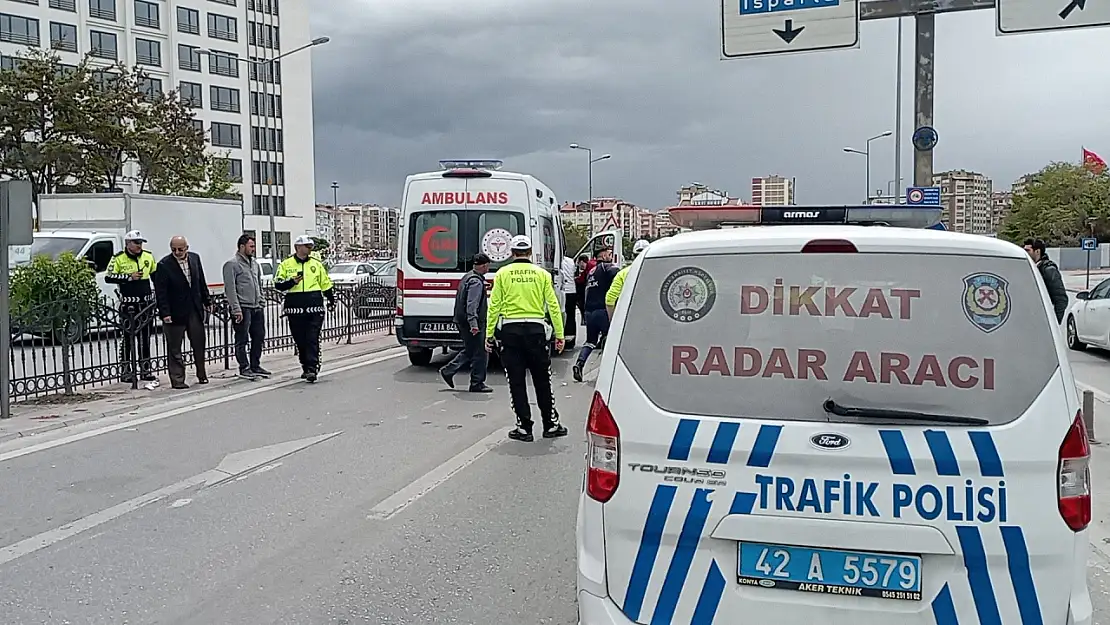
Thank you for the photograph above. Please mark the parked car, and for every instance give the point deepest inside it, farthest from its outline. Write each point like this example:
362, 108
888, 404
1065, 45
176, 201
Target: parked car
1088, 318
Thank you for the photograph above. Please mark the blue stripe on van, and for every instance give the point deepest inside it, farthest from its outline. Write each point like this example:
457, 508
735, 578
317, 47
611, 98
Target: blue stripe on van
742, 503
710, 598
944, 611
684, 551
764, 448
943, 456
648, 550
1017, 555
990, 464
978, 575
683, 439
722, 442
897, 453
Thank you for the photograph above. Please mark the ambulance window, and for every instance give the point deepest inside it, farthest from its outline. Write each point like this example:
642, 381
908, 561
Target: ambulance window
494, 229
772, 336
433, 244
548, 228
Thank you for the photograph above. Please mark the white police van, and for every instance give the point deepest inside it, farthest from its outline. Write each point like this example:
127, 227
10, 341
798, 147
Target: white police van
834, 425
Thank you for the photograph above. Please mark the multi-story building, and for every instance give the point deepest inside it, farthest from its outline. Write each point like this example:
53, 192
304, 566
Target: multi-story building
772, 191
1002, 202
363, 226
697, 193
664, 225
215, 53
1021, 184
325, 222
965, 198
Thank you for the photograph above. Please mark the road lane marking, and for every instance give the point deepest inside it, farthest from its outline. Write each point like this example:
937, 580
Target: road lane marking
398, 501
232, 466
122, 425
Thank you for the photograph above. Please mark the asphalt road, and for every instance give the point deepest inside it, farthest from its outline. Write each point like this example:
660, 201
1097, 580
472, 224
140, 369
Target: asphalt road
342, 526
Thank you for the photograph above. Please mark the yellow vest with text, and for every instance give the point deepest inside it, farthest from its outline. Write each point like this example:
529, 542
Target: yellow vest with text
119, 273
522, 290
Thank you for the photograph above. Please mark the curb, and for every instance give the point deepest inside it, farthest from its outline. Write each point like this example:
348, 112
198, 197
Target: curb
185, 397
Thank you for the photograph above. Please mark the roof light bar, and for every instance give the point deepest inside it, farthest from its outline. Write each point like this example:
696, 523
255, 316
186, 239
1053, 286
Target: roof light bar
710, 217
488, 164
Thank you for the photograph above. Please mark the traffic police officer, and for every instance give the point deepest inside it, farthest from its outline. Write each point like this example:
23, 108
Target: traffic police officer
131, 270
523, 296
618, 282
306, 285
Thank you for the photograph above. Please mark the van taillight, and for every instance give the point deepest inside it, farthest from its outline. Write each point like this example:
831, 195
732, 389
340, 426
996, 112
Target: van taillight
1074, 492
603, 451
829, 246
400, 292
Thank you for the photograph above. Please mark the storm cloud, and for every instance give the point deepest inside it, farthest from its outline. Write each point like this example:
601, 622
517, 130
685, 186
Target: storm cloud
404, 83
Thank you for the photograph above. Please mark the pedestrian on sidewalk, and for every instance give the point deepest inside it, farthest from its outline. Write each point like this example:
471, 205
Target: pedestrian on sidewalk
471, 307
183, 299
1050, 274
597, 315
131, 271
243, 291
306, 285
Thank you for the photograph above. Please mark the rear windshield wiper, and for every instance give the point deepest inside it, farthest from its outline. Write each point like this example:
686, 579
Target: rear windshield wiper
839, 410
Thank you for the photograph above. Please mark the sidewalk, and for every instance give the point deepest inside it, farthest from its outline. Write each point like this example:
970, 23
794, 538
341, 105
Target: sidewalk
1075, 280
59, 411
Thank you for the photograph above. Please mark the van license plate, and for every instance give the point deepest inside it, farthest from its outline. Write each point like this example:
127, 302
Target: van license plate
439, 328
830, 571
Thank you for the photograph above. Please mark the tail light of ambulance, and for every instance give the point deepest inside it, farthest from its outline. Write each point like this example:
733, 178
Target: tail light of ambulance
603, 440
1074, 493
400, 292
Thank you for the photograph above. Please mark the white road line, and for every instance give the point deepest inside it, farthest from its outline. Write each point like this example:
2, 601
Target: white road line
121, 425
398, 501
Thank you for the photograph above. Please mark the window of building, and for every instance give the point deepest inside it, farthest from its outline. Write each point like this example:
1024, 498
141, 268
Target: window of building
223, 63
263, 35
283, 238
269, 139
146, 14
188, 57
229, 3
265, 71
263, 6
225, 99
265, 172
192, 94
102, 45
34, 2
198, 124
150, 88
64, 5
233, 167
19, 29
226, 135
188, 21
148, 52
103, 9
63, 37
266, 104
261, 206
223, 27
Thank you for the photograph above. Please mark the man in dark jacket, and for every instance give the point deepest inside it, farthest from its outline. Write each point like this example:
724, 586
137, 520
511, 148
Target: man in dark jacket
471, 307
597, 315
1050, 274
182, 293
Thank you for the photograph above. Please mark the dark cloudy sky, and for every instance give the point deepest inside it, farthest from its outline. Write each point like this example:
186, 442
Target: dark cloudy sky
404, 83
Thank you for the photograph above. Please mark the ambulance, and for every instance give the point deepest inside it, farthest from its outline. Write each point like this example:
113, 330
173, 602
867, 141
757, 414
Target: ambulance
447, 217
834, 424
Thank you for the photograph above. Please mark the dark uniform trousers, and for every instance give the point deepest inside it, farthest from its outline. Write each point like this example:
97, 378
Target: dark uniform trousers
305, 329
138, 324
524, 349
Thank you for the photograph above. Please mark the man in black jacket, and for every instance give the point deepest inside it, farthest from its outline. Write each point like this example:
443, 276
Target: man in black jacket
183, 298
1050, 273
471, 307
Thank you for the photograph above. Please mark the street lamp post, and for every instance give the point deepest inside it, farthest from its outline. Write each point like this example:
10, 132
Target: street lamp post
866, 153
590, 176
334, 195
268, 107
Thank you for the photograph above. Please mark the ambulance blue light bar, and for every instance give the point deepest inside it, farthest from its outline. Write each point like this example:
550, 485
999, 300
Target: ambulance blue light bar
709, 217
486, 164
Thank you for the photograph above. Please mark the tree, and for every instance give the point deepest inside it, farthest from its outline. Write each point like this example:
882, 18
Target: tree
1060, 205
216, 172
113, 113
170, 150
43, 120
574, 237
321, 245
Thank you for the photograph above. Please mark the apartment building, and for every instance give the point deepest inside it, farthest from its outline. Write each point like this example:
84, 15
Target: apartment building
215, 53
966, 201
1019, 185
773, 191
362, 226
1002, 202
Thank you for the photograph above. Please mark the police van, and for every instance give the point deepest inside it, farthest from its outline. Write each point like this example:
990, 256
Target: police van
447, 217
834, 424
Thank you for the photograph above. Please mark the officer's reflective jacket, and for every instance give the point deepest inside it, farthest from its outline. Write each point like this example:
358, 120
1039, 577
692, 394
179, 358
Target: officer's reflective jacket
306, 297
119, 272
522, 290
616, 288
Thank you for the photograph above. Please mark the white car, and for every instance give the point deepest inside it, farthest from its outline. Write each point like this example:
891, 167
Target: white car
834, 425
1088, 319
350, 273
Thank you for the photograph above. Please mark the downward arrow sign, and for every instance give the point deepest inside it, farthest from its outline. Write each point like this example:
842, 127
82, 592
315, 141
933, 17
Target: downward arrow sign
788, 33
1072, 6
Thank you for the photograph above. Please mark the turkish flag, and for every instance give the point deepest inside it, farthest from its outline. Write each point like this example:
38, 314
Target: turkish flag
1093, 161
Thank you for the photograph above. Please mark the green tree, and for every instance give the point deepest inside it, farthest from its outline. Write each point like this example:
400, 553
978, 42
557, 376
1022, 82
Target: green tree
574, 237
321, 245
170, 149
216, 172
43, 120
112, 118
1060, 205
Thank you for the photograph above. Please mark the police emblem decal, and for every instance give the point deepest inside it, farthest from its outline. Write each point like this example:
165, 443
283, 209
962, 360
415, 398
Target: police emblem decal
986, 301
687, 294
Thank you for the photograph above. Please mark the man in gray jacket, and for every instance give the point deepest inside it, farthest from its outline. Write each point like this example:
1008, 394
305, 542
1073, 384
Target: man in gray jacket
471, 306
243, 290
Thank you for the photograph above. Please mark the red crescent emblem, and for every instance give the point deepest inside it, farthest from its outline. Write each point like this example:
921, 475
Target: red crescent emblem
426, 245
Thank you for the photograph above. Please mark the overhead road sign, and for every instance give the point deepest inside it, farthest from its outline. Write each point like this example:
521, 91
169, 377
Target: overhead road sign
1016, 17
769, 27
923, 196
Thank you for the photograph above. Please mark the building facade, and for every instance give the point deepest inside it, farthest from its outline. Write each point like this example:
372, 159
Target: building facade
215, 53
633, 221
773, 191
966, 200
359, 226
1002, 203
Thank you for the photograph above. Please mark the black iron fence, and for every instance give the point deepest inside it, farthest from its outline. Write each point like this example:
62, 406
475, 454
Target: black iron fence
62, 346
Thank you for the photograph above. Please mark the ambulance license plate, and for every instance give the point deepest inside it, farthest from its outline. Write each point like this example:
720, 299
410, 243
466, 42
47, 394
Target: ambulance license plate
830, 571
439, 328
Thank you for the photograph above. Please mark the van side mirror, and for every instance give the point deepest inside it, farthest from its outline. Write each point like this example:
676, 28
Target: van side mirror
1083, 295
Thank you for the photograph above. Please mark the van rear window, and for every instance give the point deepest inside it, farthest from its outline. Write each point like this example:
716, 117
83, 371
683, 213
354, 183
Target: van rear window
446, 241
775, 335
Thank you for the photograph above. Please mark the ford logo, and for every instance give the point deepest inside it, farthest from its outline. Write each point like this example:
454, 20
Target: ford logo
829, 441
